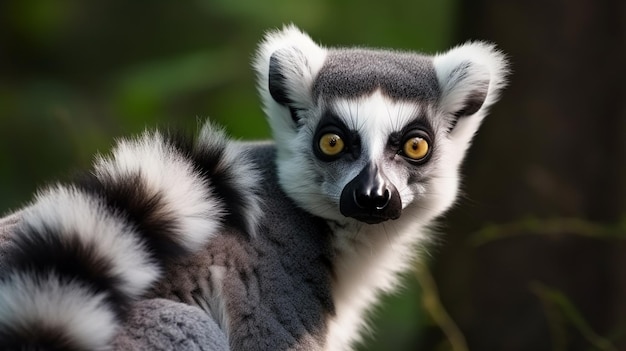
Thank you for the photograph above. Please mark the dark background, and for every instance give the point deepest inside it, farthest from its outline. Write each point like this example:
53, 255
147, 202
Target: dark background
534, 255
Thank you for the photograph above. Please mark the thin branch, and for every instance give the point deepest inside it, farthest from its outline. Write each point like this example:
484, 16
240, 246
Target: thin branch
551, 226
432, 304
562, 304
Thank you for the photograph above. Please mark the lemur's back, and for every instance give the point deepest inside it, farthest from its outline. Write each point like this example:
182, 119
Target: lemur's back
276, 286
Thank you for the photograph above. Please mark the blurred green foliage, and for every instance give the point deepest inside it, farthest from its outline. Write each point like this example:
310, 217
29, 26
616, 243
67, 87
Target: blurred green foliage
75, 74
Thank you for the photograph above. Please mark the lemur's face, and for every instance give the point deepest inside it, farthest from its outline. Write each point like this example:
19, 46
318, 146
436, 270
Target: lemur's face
367, 136
371, 157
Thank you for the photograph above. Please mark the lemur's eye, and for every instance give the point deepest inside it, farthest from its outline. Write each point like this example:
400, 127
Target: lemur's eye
331, 144
416, 148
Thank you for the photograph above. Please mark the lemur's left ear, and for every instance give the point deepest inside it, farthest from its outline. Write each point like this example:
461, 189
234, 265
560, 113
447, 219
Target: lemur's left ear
471, 77
286, 63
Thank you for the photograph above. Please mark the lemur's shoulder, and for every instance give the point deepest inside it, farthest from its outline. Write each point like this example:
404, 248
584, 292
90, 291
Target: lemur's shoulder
279, 278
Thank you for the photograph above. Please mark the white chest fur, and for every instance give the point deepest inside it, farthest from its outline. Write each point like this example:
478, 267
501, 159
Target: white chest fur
368, 262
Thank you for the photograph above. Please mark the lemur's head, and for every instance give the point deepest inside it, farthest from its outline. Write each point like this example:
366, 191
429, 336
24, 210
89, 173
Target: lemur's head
367, 134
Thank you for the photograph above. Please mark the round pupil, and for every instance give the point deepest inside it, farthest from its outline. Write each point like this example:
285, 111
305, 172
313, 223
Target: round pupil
416, 148
331, 144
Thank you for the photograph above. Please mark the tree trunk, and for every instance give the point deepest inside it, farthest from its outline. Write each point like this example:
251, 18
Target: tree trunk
553, 148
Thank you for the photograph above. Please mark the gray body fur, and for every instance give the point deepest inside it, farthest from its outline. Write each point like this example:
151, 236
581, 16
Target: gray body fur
276, 285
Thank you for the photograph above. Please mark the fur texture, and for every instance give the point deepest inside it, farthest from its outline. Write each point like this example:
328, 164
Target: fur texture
286, 245
372, 97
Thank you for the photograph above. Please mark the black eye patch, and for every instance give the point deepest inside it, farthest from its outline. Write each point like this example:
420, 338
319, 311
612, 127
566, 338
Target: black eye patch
406, 141
331, 124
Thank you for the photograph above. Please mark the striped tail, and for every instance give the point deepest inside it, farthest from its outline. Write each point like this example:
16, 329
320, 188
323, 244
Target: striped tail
82, 253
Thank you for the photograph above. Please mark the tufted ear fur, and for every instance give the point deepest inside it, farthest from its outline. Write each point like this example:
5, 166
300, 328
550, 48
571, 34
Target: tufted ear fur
471, 77
286, 63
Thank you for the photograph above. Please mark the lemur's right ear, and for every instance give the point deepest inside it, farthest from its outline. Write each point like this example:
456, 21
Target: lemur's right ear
286, 63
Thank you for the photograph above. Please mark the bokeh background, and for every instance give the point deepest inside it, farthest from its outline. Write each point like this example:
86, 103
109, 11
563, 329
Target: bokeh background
534, 255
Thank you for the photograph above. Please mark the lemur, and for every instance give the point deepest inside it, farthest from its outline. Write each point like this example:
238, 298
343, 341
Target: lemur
286, 244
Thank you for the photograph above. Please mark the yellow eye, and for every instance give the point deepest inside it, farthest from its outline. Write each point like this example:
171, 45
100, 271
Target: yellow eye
416, 148
331, 144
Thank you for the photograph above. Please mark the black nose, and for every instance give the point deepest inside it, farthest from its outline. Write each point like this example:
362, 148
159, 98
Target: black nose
370, 197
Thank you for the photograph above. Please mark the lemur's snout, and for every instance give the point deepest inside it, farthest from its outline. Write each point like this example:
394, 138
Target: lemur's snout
370, 197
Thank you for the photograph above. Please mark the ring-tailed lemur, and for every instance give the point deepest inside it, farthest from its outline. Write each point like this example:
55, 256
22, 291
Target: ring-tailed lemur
285, 244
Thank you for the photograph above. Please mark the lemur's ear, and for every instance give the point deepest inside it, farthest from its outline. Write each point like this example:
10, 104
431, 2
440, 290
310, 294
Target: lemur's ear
286, 63
471, 77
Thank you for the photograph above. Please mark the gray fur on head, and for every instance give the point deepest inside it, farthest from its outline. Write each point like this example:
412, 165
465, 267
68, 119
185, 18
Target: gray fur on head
352, 73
